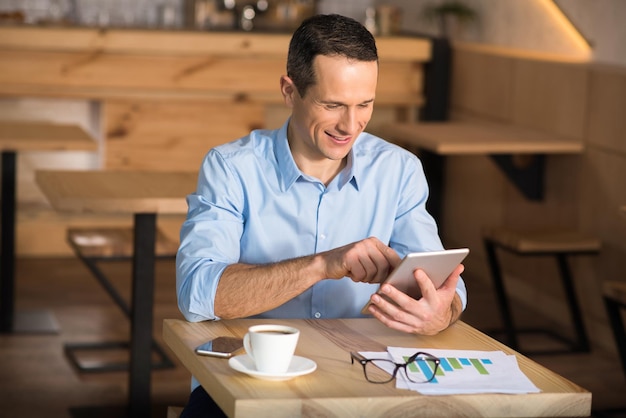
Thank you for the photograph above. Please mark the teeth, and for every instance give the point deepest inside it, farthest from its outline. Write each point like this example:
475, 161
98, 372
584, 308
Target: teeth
336, 138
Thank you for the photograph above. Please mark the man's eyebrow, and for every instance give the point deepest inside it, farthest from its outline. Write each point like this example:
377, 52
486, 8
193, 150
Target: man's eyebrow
342, 103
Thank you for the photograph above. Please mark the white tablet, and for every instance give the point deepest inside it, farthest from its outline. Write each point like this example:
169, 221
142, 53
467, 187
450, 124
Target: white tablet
437, 264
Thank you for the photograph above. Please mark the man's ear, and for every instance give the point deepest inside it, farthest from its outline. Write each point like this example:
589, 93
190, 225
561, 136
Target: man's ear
288, 90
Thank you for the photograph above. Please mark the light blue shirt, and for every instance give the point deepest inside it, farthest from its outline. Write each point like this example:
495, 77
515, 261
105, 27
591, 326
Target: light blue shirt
253, 205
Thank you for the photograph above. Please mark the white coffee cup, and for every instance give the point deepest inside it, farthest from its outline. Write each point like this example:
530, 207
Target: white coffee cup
271, 346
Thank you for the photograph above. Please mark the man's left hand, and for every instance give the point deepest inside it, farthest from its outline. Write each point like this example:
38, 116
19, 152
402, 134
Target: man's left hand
432, 313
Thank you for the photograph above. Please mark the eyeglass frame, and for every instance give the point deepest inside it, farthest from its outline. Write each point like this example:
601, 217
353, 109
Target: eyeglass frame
363, 361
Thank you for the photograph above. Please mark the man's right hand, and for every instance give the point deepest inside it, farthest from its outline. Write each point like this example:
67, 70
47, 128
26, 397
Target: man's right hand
368, 261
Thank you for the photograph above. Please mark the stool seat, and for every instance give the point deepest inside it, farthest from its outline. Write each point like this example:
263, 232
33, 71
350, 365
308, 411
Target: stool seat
543, 240
615, 291
114, 242
558, 243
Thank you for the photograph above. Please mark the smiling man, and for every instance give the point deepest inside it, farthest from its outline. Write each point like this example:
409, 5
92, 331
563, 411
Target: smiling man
305, 220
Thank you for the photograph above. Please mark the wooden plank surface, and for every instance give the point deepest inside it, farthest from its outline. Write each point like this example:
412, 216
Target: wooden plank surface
43, 136
337, 387
158, 135
110, 75
121, 192
396, 48
91, 63
471, 137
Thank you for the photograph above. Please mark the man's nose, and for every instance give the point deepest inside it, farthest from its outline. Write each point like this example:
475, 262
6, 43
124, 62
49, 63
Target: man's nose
349, 121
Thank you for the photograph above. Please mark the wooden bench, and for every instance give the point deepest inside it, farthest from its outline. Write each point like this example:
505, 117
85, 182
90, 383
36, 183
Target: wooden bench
614, 295
96, 245
556, 243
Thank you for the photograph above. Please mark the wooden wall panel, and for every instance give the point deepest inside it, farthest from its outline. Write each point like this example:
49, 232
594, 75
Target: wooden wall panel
602, 193
560, 97
607, 108
551, 96
166, 135
482, 84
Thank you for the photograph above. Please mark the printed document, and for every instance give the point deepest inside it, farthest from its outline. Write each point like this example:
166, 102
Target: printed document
461, 372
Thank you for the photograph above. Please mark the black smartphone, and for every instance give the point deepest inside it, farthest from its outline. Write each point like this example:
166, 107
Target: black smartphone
223, 347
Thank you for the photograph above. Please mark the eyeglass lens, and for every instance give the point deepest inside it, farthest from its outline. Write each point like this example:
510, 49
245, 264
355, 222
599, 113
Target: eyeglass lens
421, 370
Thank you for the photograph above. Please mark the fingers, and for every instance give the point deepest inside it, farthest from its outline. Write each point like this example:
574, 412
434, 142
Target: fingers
370, 261
428, 315
428, 289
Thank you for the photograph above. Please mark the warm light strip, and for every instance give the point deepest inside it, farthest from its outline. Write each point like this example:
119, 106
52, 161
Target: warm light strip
564, 23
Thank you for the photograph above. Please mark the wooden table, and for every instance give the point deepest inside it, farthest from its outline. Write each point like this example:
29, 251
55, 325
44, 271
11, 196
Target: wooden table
338, 388
143, 194
26, 136
505, 144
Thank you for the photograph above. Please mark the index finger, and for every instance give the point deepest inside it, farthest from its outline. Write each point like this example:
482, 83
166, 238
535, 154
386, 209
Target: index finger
390, 254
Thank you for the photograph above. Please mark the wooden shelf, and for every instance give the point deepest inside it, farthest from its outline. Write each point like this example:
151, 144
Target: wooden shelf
44, 136
471, 137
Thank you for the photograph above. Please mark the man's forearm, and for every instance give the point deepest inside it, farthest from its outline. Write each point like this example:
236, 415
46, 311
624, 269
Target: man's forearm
246, 289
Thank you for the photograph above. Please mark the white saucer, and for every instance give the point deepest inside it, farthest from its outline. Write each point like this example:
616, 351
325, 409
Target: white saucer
299, 366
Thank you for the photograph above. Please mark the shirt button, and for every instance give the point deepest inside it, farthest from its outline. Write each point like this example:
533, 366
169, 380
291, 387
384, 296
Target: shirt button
322, 236
317, 315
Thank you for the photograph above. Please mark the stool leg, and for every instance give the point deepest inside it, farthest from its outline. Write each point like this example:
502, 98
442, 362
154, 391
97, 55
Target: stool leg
613, 311
503, 301
574, 307
71, 348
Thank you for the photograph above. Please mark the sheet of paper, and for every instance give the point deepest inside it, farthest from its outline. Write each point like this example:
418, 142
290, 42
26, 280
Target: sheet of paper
462, 372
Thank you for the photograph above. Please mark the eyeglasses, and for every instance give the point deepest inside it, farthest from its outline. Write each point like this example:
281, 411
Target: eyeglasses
422, 368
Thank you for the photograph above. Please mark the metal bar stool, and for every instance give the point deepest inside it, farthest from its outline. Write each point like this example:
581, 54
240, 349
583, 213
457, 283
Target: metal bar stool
95, 245
557, 244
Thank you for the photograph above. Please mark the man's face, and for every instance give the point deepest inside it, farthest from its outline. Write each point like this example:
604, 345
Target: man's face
328, 119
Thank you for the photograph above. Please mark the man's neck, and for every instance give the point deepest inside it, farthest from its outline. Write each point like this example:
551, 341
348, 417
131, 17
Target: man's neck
324, 170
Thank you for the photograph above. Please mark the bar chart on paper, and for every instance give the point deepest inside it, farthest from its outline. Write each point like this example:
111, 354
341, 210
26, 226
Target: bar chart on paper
467, 365
463, 371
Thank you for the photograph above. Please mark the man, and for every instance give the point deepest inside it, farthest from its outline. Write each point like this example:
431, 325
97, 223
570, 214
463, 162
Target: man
303, 221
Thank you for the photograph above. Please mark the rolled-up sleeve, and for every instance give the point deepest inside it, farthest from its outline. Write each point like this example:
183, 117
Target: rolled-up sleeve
209, 239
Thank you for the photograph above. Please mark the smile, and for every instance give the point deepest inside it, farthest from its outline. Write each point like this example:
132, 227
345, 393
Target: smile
338, 139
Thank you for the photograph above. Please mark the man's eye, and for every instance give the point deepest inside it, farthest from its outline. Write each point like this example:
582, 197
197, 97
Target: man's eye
332, 106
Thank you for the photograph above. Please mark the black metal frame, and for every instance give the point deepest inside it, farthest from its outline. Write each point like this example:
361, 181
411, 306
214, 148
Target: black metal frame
613, 309
146, 267
580, 344
7, 257
12, 321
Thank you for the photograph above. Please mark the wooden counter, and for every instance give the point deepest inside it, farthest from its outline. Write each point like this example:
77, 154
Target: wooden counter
232, 66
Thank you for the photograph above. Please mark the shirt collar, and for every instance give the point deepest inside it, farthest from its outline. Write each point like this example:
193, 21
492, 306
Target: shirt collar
290, 172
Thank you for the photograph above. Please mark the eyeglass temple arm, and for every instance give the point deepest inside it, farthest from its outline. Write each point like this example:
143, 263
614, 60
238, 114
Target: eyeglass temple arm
355, 355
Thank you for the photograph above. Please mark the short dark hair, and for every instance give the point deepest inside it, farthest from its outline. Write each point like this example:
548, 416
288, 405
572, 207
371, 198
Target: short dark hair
328, 35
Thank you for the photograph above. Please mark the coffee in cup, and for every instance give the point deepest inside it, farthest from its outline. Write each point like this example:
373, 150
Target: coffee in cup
271, 347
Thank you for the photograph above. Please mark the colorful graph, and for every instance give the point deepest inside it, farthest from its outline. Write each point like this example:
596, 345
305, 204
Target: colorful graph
450, 365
